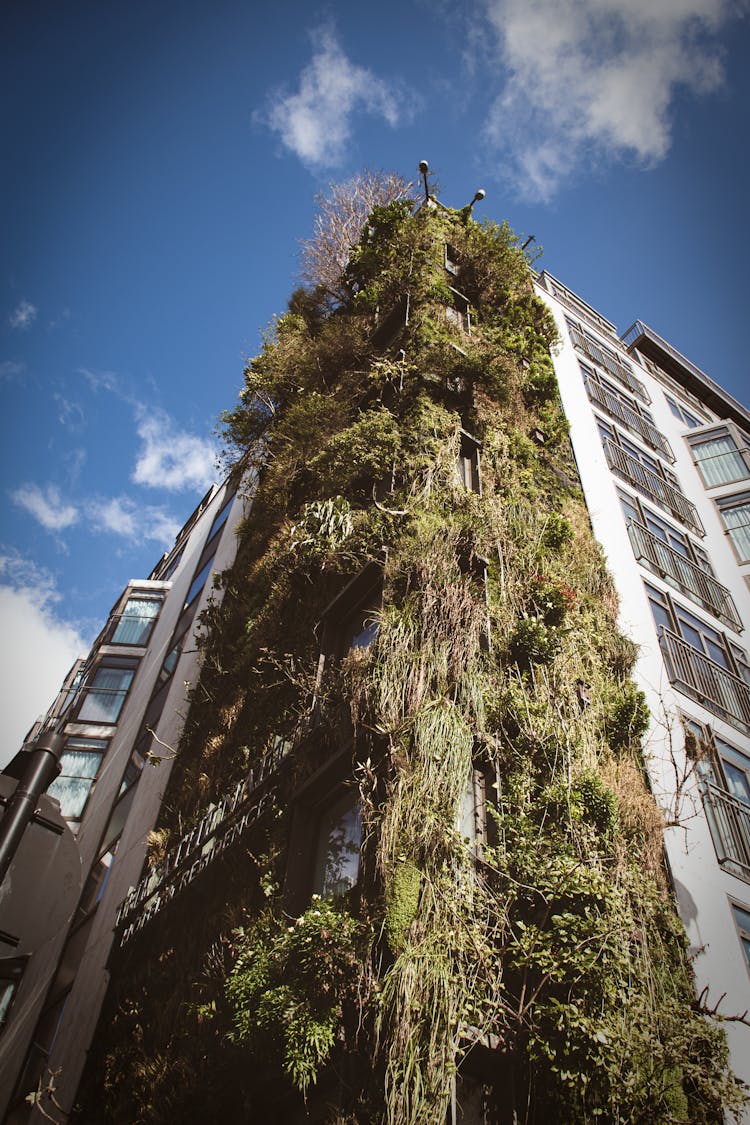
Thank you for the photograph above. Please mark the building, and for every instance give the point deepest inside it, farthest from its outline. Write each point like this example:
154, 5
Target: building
121, 710
407, 863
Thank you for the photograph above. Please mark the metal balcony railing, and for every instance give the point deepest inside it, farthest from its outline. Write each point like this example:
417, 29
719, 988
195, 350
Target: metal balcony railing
729, 821
650, 484
609, 360
630, 418
701, 678
686, 575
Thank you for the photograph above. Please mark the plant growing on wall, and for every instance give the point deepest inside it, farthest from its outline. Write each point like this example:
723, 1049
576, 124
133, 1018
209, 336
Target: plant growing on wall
551, 942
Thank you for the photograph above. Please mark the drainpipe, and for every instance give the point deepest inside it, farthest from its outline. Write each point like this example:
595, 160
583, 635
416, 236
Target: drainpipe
42, 768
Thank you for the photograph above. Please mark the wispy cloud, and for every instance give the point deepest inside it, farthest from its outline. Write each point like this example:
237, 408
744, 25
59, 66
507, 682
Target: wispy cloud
588, 80
46, 505
171, 458
39, 647
122, 516
316, 122
168, 457
23, 315
10, 369
69, 414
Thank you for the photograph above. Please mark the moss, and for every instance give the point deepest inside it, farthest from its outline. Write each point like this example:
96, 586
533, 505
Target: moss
402, 901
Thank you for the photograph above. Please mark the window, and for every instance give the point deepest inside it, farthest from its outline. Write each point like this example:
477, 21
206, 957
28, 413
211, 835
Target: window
172, 565
467, 465
95, 885
105, 692
452, 260
720, 458
11, 971
457, 314
80, 763
221, 516
735, 512
680, 412
351, 619
606, 358
711, 642
647, 474
742, 922
137, 620
624, 409
338, 844
198, 582
675, 557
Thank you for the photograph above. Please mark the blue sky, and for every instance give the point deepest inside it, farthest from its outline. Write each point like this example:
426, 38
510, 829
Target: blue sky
161, 159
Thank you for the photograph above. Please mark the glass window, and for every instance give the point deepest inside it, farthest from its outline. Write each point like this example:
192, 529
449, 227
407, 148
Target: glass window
105, 694
136, 620
339, 837
719, 460
80, 763
742, 922
172, 566
198, 582
221, 517
735, 512
11, 971
467, 465
711, 642
680, 412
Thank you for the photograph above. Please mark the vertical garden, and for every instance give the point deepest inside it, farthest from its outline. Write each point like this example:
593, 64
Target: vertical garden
511, 928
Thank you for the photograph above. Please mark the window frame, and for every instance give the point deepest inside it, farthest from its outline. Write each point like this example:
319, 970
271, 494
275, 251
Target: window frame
79, 744
727, 503
742, 930
741, 451
135, 595
87, 687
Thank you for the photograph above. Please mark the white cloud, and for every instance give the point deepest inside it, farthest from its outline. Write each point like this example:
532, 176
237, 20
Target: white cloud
46, 505
138, 522
37, 651
10, 369
316, 123
23, 315
171, 458
593, 79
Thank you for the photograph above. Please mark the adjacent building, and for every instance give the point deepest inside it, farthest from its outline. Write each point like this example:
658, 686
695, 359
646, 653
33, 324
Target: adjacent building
121, 711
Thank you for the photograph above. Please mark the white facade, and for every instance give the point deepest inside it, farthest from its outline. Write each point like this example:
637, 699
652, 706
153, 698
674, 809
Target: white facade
664, 460
121, 710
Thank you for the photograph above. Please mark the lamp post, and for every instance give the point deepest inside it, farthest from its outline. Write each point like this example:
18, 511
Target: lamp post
42, 768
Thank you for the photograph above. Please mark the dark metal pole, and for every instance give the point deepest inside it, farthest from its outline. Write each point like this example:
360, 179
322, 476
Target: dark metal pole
42, 768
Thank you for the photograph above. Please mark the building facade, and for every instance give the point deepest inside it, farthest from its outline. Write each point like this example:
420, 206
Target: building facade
664, 458
419, 831
121, 710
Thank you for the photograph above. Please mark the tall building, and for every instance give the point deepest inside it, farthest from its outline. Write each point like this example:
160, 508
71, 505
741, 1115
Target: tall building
120, 710
468, 746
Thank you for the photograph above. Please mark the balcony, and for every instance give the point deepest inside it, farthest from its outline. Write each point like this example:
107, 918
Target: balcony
681, 572
630, 418
701, 678
650, 484
608, 360
729, 821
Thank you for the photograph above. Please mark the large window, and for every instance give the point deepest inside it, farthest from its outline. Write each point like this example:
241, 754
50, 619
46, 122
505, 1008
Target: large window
105, 692
735, 512
137, 620
198, 582
338, 843
720, 458
80, 763
711, 642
